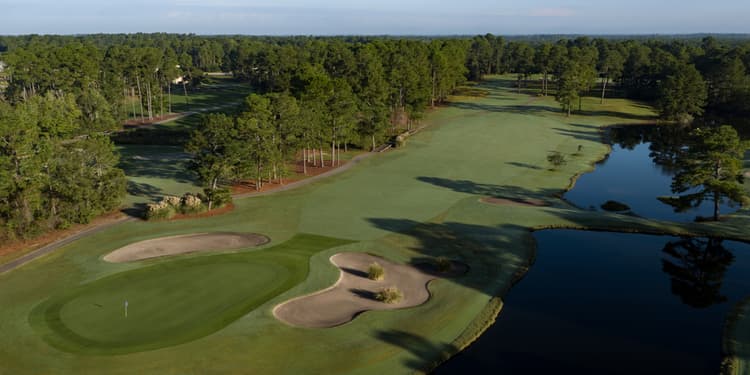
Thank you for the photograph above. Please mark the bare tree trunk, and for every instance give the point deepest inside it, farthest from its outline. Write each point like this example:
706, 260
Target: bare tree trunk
214, 182
140, 96
304, 161
716, 206
184, 88
717, 172
132, 94
604, 88
169, 90
373, 142
322, 159
333, 152
432, 98
148, 102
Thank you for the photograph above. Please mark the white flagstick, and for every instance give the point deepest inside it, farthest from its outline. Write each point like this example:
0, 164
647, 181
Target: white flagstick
126, 308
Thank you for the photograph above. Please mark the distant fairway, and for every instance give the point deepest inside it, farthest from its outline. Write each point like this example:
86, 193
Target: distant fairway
173, 302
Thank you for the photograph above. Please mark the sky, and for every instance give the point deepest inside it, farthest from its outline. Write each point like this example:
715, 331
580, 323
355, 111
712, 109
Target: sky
374, 17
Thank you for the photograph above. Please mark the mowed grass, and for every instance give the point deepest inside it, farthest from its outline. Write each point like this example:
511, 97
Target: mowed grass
405, 205
155, 171
173, 302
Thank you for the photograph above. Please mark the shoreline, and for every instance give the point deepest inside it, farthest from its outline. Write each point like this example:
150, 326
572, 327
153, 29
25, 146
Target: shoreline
489, 315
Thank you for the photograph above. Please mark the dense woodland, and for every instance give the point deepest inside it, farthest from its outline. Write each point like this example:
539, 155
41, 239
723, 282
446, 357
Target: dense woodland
61, 97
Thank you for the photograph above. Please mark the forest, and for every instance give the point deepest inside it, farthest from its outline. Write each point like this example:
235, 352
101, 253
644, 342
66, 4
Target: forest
63, 98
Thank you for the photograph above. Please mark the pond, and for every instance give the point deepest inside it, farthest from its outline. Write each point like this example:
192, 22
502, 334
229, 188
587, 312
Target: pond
637, 172
613, 303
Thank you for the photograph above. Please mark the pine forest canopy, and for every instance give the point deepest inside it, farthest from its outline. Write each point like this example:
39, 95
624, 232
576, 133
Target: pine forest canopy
61, 95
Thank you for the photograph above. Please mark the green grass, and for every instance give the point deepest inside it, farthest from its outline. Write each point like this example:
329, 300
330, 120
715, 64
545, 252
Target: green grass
407, 205
173, 302
155, 171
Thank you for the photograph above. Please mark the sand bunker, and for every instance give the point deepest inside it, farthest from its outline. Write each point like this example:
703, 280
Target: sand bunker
184, 244
527, 202
354, 292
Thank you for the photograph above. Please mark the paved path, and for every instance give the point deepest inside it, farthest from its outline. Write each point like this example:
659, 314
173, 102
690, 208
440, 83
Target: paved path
42, 251
98, 228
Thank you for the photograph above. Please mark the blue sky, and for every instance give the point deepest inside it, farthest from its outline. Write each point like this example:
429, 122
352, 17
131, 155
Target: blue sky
326, 17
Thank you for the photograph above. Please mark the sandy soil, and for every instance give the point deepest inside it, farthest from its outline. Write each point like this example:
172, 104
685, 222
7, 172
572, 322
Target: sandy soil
354, 292
190, 243
528, 202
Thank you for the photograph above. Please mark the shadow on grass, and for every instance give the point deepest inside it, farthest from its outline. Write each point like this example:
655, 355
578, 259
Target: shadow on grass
137, 211
492, 190
541, 109
583, 135
419, 347
151, 192
167, 165
524, 165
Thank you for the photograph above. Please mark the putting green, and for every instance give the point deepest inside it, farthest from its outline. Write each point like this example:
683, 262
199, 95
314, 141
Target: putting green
173, 302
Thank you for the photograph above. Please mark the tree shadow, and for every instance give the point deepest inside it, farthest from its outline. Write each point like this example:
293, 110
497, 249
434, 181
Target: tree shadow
524, 165
363, 293
528, 109
580, 135
151, 192
421, 348
354, 272
137, 211
167, 165
491, 190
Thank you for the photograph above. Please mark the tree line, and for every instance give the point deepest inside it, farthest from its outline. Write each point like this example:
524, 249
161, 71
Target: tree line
683, 78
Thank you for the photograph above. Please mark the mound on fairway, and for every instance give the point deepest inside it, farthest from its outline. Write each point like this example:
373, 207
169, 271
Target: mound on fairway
190, 243
522, 202
354, 293
173, 302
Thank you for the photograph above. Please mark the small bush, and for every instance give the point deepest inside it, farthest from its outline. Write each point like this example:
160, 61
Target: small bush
218, 197
615, 206
161, 210
375, 272
443, 264
556, 159
191, 204
400, 141
389, 295
173, 201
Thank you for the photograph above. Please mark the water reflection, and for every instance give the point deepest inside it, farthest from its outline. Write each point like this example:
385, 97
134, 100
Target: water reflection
592, 299
639, 173
697, 268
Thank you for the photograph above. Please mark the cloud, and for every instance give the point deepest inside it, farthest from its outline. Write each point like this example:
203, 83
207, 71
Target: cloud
552, 12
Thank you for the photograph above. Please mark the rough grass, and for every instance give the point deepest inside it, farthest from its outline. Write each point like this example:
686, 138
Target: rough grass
407, 205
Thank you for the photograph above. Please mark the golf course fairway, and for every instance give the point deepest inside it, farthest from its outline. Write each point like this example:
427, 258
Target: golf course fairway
408, 206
